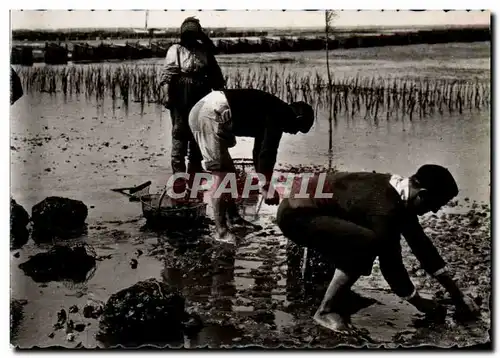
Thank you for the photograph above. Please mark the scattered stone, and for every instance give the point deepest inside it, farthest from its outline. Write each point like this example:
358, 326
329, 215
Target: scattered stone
59, 264
62, 316
93, 309
474, 222
70, 337
73, 309
58, 217
17, 254
133, 263
70, 326
80, 327
104, 257
51, 335
138, 252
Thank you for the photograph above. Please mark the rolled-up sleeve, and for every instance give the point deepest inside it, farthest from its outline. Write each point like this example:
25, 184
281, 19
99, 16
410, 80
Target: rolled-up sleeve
171, 66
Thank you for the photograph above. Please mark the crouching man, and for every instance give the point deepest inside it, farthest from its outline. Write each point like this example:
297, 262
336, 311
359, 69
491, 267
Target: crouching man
221, 116
364, 217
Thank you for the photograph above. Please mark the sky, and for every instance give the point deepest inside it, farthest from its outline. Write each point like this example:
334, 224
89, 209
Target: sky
51, 19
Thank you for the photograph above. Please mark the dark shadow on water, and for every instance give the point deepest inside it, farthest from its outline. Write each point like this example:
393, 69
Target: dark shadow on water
44, 234
61, 263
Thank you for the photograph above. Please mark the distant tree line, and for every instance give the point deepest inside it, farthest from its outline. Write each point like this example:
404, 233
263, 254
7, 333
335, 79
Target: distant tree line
58, 53
87, 35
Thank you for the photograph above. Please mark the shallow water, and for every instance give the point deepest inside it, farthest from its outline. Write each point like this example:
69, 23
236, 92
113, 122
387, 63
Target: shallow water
79, 149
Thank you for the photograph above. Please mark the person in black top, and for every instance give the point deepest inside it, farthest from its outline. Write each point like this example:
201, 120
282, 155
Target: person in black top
364, 217
190, 72
221, 116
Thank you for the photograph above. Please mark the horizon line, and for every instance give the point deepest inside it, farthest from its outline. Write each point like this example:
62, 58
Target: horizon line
257, 27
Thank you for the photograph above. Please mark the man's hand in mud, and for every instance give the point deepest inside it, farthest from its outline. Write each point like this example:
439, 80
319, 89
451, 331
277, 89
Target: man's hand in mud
466, 310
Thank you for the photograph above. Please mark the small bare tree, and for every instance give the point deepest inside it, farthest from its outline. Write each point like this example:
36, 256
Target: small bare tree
329, 17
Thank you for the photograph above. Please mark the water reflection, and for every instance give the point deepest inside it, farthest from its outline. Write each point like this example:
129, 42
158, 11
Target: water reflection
223, 289
205, 275
308, 275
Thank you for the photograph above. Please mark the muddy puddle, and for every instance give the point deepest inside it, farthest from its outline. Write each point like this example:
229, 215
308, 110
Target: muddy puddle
253, 294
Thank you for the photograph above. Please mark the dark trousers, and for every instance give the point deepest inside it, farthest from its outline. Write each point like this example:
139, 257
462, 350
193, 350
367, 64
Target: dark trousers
183, 143
348, 245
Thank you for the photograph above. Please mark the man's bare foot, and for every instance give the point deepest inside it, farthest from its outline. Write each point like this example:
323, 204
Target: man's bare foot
226, 236
333, 321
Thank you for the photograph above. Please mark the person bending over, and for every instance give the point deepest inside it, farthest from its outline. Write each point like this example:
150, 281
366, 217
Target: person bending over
363, 218
221, 116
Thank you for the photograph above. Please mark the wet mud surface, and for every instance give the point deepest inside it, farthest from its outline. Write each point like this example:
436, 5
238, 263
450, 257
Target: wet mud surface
253, 294
249, 295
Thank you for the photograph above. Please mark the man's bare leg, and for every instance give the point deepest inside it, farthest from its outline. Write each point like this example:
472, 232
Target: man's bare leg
329, 313
220, 206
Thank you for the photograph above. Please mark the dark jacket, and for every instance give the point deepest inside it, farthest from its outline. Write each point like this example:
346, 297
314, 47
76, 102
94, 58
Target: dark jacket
262, 116
369, 200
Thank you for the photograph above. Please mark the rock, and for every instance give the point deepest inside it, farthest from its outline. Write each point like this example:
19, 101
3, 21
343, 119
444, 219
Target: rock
60, 263
70, 337
147, 312
79, 327
73, 309
19, 219
58, 217
62, 316
133, 263
70, 326
93, 309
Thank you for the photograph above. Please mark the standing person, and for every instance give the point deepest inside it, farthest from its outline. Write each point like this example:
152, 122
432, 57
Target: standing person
221, 116
190, 72
364, 218
16, 89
